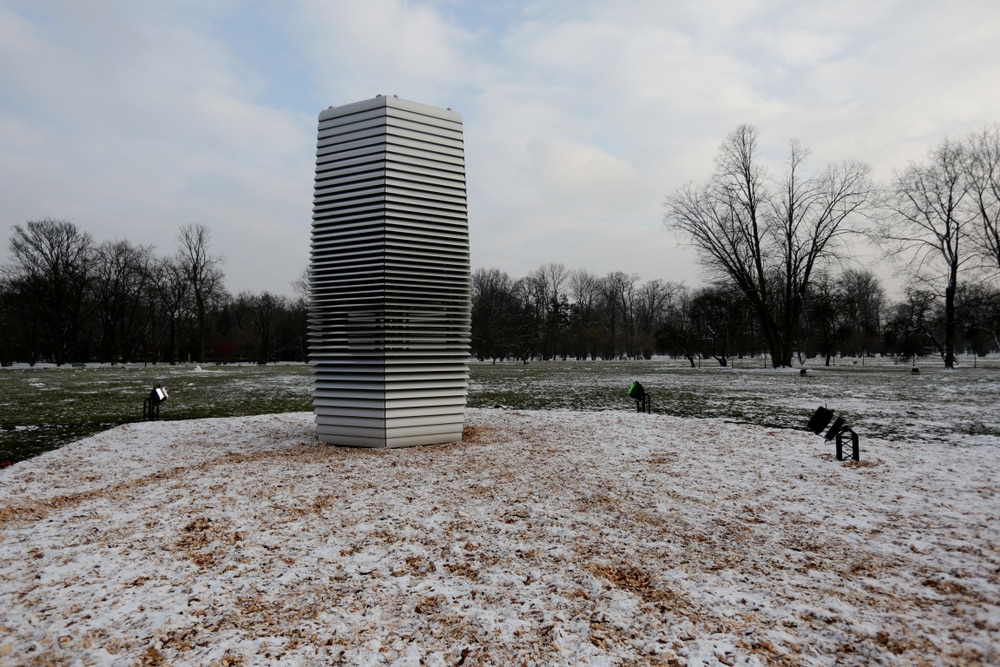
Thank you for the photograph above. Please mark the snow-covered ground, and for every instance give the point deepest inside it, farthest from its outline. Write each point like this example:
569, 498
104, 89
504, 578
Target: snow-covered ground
546, 538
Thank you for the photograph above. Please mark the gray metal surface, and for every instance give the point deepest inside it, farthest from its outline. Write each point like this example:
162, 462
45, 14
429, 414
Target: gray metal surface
390, 304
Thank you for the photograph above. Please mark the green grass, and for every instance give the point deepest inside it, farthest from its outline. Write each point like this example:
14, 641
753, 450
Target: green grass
44, 408
882, 400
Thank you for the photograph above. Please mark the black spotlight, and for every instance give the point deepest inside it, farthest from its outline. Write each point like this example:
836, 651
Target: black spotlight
838, 430
640, 396
151, 406
838, 426
819, 420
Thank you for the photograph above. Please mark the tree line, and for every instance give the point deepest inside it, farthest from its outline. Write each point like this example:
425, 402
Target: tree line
776, 250
65, 298
556, 313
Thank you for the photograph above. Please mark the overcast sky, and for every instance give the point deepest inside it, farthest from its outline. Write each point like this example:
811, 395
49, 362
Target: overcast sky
133, 118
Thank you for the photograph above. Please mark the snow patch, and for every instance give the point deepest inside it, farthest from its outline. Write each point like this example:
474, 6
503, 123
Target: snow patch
542, 538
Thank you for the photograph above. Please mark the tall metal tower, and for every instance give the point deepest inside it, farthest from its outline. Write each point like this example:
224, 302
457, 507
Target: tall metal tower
389, 275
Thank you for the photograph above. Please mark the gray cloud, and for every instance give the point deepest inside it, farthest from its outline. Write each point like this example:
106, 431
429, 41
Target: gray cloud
134, 118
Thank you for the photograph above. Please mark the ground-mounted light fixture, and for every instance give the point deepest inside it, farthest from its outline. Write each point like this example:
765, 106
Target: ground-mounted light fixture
641, 397
151, 404
837, 431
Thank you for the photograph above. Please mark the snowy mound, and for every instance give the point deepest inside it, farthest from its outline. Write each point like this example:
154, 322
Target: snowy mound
542, 538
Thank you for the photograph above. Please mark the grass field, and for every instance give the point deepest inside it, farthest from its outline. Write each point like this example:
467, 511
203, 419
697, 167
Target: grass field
43, 408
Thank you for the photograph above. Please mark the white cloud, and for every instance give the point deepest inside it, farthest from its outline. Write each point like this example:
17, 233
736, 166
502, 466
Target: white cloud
575, 172
802, 48
359, 49
134, 123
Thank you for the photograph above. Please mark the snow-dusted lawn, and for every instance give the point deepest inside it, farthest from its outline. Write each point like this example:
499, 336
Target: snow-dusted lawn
543, 538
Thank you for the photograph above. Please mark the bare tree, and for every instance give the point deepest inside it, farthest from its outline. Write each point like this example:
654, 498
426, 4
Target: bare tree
51, 270
618, 291
911, 327
653, 300
863, 301
812, 215
769, 238
584, 288
555, 276
203, 274
714, 313
549, 304
122, 275
681, 331
978, 305
585, 292
302, 286
173, 293
928, 225
257, 318
492, 314
984, 171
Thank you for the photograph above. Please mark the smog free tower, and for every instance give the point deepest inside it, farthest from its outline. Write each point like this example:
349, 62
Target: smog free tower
389, 275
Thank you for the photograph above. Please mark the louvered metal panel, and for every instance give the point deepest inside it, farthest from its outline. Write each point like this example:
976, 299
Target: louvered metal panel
390, 307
